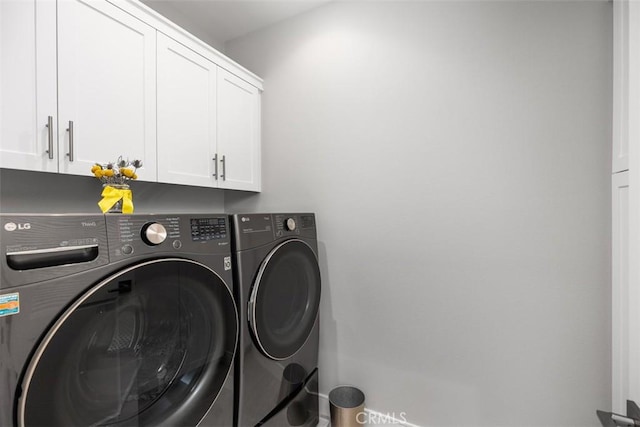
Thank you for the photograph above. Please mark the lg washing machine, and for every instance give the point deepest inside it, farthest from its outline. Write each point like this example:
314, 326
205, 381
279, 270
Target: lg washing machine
278, 293
116, 320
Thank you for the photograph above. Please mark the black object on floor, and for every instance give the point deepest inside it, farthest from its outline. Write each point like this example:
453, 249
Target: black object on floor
610, 419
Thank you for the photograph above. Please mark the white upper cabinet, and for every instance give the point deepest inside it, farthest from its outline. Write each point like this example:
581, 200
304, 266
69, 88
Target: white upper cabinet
620, 154
625, 247
28, 116
208, 122
238, 133
186, 115
620, 302
208, 106
86, 81
106, 87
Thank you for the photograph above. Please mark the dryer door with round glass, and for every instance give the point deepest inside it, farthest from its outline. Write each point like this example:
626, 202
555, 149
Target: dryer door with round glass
284, 299
150, 345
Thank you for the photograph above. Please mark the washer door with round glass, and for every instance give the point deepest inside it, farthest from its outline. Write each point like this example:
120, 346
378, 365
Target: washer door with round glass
284, 300
151, 345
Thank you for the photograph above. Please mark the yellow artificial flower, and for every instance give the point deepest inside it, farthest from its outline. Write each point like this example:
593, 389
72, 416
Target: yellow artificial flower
119, 172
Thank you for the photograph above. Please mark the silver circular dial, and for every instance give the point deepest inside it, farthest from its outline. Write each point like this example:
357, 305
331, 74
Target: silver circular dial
154, 233
290, 224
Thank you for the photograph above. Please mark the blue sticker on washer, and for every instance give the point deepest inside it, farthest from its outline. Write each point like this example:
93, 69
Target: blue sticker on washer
9, 304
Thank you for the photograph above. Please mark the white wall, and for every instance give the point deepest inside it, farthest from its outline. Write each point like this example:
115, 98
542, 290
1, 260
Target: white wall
169, 10
457, 156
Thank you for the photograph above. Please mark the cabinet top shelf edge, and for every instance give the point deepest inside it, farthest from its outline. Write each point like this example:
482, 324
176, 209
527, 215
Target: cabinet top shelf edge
165, 26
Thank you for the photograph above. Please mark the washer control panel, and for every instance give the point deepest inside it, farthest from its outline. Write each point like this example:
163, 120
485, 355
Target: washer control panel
143, 234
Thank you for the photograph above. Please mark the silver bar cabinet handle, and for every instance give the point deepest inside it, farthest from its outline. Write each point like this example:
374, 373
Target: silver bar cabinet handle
224, 168
50, 132
70, 130
215, 167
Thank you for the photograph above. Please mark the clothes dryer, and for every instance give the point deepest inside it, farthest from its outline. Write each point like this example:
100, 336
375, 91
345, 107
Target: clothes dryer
278, 293
116, 320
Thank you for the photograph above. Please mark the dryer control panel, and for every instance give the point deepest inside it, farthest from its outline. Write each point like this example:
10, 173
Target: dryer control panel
143, 234
294, 225
252, 230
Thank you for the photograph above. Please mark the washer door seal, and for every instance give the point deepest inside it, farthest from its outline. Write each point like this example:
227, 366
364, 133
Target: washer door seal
150, 345
285, 298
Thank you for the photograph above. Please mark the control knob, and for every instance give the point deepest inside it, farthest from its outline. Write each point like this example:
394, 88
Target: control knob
290, 224
153, 233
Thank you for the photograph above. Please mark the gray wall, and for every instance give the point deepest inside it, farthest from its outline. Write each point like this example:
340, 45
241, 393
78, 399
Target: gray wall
40, 192
458, 157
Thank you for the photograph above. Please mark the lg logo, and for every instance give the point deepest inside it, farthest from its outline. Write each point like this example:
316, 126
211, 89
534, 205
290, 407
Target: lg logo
12, 226
245, 219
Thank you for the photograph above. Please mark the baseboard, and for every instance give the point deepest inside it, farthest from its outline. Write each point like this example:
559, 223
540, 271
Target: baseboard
373, 418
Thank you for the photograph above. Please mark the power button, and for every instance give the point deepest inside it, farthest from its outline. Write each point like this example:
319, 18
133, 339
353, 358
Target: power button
177, 244
127, 250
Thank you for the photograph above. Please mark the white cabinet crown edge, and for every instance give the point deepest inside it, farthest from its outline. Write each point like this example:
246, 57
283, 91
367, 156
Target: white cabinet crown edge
165, 26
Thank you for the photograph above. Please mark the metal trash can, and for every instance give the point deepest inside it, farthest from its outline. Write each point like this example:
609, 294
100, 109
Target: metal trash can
345, 403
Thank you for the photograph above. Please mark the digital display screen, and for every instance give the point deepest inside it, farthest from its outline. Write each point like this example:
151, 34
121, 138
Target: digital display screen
208, 229
308, 221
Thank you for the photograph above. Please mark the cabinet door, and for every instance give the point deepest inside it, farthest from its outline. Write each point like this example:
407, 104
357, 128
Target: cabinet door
620, 292
106, 87
27, 63
238, 133
186, 115
620, 154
